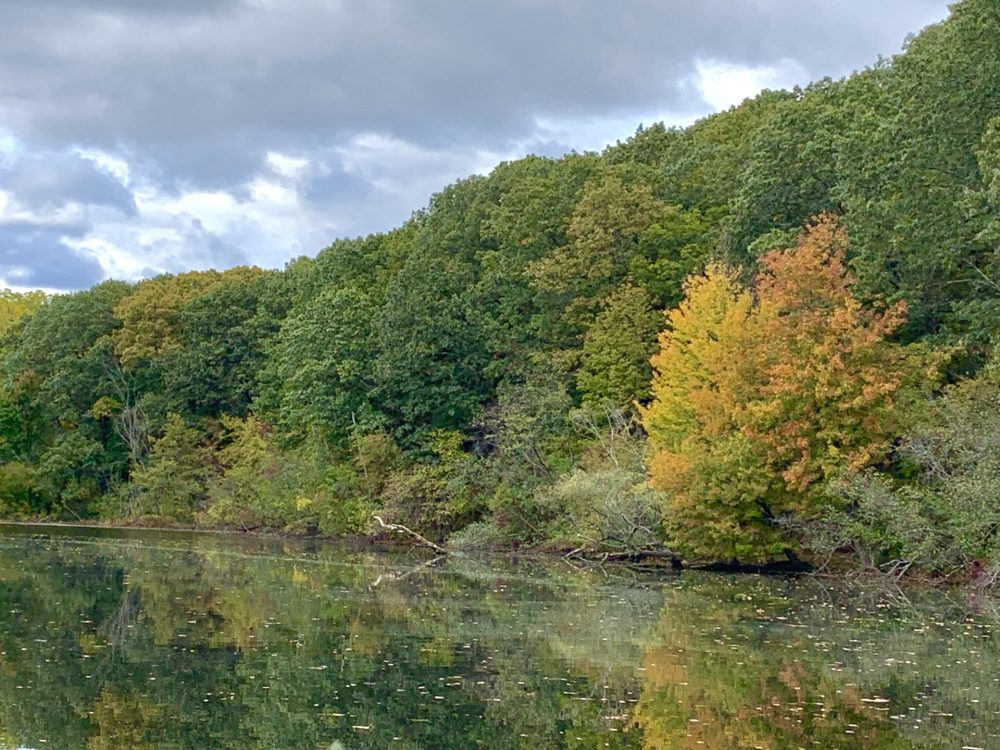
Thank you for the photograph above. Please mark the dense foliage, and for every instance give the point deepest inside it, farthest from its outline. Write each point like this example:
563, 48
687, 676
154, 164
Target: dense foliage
827, 258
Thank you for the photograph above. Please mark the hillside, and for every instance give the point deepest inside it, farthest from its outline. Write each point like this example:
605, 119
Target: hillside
482, 373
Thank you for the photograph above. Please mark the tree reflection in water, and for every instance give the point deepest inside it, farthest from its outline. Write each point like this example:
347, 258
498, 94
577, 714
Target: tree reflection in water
176, 641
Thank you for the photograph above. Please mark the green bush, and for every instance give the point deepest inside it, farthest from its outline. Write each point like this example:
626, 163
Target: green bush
481, 535
612, 509
943, 512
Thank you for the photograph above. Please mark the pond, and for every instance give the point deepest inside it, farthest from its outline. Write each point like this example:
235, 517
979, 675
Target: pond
170, 640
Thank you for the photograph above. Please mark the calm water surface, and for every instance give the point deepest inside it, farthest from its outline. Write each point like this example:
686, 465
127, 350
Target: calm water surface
152, 640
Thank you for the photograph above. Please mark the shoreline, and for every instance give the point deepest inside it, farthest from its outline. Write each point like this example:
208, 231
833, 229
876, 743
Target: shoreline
655, 566
646, 562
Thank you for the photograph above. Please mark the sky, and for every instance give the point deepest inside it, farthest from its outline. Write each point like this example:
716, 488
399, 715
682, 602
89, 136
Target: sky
139, 137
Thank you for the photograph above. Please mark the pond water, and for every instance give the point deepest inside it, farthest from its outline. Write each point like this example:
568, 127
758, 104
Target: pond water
167, 640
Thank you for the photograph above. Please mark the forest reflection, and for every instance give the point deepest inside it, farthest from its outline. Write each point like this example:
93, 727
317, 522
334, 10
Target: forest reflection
169, 641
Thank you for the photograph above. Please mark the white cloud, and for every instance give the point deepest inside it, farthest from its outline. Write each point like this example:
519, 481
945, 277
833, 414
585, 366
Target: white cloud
71, 214
113, 165
9, 147
723, 85
287, 166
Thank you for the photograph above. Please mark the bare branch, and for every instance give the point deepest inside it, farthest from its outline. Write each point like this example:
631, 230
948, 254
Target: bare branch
400, 529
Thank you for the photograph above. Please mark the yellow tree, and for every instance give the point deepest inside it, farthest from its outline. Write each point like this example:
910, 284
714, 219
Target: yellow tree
720, 496
16, 305
696, 375
151, 315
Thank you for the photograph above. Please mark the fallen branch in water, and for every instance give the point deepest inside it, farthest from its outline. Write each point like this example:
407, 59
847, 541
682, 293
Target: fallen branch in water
400, 529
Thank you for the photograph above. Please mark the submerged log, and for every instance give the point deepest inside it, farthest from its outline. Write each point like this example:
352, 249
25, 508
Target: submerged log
633, 557
779, 566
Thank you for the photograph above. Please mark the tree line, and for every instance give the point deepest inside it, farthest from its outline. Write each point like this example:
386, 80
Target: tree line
767, 333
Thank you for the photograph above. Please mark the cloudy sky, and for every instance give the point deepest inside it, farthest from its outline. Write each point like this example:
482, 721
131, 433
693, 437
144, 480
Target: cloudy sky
143, 136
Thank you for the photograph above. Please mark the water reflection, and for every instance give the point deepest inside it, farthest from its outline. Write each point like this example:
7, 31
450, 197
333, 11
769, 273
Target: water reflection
171, 641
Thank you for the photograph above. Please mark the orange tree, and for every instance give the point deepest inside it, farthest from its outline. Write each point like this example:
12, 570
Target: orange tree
832, 380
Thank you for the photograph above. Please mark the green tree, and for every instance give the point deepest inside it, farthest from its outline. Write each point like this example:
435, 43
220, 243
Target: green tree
55, 367
432, 361
604, 233
151, 316
907, 161
528, 210
705, 164
676, 246
173, 483
790, 172
222, 340
320, 372
615, 367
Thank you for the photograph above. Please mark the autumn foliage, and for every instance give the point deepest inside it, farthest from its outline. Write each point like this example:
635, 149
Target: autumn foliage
831, 382
761, 395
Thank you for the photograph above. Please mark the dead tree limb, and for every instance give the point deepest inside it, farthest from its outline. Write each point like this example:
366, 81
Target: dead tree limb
400, 529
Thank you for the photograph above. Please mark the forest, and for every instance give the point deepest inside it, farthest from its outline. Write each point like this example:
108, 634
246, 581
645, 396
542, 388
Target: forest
769, 335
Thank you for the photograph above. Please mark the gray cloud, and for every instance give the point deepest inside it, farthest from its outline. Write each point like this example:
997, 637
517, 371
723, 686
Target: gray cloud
285, 74
38, 256
155, 8
331, 183
211, 247
49, 180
